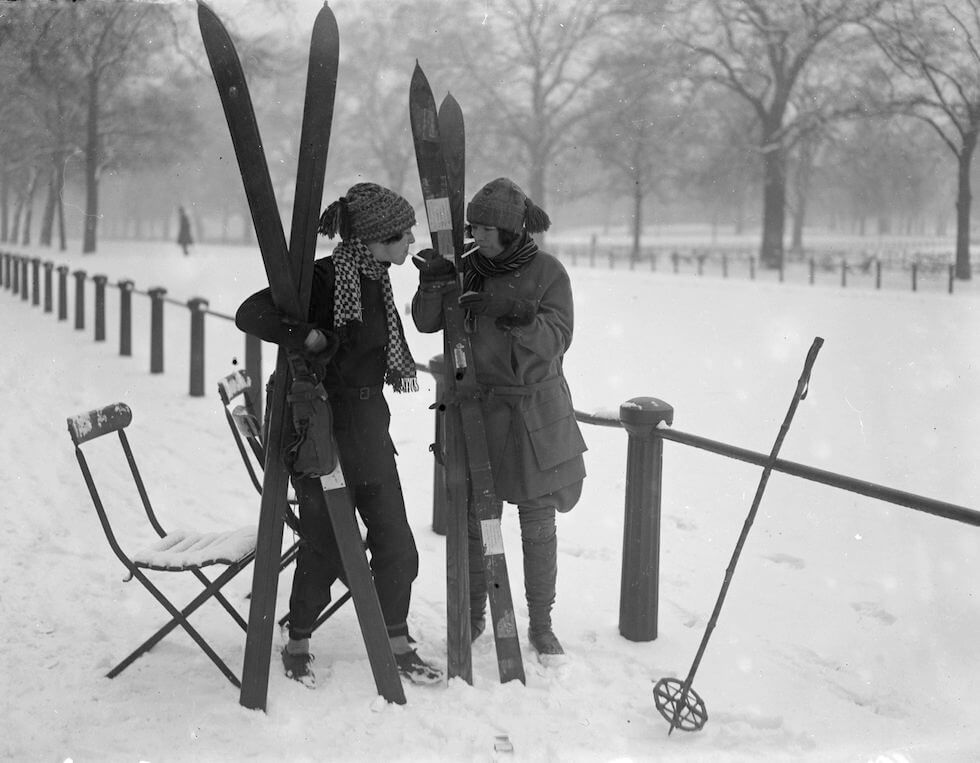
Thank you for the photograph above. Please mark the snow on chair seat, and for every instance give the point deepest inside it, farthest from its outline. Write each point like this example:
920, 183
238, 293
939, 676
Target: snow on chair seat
184, 550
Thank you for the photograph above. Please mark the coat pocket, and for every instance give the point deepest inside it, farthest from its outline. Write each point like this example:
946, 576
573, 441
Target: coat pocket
553, 430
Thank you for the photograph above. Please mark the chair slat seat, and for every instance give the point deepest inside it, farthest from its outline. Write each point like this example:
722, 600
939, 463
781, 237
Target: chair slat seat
184, 550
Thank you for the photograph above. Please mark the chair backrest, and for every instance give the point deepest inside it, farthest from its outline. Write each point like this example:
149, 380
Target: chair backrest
246, 430
99, 421
90, 425
240, 413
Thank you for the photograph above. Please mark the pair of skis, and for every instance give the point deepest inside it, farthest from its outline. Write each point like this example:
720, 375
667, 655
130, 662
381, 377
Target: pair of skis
289, 271
439, 151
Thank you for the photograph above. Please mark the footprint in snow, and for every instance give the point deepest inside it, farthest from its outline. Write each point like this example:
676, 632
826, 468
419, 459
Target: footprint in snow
873, 610
793, 562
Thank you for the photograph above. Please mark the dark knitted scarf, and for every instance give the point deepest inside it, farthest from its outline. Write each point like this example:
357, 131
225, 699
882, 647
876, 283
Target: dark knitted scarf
351, 259
482, 267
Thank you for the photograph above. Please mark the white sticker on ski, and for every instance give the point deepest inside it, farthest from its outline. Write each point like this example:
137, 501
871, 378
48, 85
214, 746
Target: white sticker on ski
333, 480
493, 542
439, 215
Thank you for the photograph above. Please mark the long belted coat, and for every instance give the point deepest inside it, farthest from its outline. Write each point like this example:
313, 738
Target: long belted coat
535, 443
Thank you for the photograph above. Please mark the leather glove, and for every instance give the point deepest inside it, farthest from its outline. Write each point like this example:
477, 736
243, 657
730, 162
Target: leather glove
432, 267
509, 312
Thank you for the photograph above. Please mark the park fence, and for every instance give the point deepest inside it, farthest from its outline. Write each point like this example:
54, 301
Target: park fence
646, 421
874, 269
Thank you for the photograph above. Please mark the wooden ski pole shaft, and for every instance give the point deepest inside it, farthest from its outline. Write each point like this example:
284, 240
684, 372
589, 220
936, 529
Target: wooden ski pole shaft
682, 700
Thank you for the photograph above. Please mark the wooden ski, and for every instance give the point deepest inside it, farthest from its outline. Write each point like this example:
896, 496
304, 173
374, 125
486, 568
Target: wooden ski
289, 272
462, 386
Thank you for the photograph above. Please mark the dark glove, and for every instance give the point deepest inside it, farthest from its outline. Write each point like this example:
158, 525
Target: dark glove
509, 312
432, 267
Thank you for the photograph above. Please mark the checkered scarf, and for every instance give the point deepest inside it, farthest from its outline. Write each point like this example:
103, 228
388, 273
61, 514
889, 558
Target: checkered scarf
351, 258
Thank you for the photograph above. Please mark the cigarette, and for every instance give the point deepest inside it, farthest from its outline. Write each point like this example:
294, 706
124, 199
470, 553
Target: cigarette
416, 257
468, 252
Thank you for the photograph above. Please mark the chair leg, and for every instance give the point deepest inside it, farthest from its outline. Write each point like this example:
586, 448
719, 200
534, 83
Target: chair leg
222, 600
179, 617
324, 616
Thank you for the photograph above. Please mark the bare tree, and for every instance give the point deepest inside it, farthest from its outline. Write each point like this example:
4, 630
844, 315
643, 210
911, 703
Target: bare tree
760, 50
637, 116
532, 64
933, 47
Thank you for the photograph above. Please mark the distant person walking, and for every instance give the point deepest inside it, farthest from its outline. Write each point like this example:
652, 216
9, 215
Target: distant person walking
184, 238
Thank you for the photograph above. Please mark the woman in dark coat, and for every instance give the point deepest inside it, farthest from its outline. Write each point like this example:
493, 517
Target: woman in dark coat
518, 302
352, 305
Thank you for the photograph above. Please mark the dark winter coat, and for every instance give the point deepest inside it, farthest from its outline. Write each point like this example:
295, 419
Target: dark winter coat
353, 378
535, 443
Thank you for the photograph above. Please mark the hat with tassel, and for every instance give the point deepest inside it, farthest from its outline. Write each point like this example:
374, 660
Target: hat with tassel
369, 212
502, 204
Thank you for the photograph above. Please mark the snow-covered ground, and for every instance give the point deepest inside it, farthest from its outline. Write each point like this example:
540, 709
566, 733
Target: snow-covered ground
848, 634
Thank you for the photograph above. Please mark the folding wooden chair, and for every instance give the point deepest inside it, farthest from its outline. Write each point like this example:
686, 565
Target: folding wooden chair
178, 551
247, 433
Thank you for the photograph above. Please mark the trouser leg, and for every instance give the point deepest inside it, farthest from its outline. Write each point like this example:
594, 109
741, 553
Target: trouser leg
317, 562
394, 556
539, 540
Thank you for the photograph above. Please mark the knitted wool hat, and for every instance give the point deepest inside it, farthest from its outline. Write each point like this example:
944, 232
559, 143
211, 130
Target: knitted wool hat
369, 212
502, 204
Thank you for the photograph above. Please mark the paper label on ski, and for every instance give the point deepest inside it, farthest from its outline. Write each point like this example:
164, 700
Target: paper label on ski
333, 480
438, 213
493, 541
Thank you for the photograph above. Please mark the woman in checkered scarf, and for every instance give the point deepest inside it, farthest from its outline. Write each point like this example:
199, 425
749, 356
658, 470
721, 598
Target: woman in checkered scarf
354, 336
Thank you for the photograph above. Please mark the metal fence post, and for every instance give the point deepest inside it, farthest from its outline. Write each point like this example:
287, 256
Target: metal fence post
437, 367
156, 329
952, 277
813, 271
6, 269
751, 268
15, 269
36, 281
915, 276
638, 597
253, 367
24, 286
125, 317
62, 292
877, 274
100, 282
79, 299
843, 273
48, 268
198, 307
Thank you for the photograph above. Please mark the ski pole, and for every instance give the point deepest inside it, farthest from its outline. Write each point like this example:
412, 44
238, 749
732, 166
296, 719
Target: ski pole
677, 702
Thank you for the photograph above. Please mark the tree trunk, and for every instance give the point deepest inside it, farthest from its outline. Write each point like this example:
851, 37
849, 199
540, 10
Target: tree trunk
773, 205
29, 203
15, 228
964, 197
4, 204
637, 219
535, 190
91, 167
47, 219
62, 238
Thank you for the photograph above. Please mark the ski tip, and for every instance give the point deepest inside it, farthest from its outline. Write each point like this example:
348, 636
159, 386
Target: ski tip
206, 15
